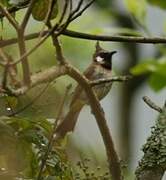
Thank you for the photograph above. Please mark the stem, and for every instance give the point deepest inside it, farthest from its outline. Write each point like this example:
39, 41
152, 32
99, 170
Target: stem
114, 165
86, 36
24, 61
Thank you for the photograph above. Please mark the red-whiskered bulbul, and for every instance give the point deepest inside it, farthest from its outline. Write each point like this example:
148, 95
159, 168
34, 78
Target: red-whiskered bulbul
100, 68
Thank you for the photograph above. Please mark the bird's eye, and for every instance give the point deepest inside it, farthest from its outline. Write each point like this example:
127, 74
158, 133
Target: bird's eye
99, 59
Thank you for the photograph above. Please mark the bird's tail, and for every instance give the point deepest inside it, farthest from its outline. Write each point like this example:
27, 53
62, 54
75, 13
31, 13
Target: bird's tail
69, 122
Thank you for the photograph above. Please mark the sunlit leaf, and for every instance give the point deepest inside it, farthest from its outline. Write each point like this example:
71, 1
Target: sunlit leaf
41, 8
157, 81
137, 9
145, 67
159, 3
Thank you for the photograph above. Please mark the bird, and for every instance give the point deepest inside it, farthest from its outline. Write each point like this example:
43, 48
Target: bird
100, 68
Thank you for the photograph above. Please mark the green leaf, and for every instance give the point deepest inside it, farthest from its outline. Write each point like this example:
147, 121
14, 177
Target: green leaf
40, 10
137, 8
5, 3
145, 67
157, 81
159, 3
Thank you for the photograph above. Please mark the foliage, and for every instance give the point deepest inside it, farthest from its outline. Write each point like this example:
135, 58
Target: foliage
24, 140
156, 70
159, 3
155, 147
30, 138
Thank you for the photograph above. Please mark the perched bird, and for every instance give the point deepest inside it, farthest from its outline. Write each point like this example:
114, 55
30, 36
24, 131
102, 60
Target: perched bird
101, 67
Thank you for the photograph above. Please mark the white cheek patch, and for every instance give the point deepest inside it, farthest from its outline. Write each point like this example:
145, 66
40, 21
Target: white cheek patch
99, 59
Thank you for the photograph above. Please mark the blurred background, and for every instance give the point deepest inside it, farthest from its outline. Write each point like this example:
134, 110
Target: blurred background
129, 118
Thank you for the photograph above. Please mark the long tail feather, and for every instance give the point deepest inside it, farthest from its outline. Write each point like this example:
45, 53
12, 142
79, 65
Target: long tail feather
69, 122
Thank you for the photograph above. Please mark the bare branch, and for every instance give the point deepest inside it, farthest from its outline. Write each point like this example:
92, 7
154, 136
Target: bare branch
80, 35
23, 59
151, 104
81, 11
113, 79
27, 15
114, 165
9, 17
64, 11
13, 9
41, 78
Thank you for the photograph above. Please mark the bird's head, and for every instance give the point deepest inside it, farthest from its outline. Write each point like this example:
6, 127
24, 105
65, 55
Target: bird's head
103, 57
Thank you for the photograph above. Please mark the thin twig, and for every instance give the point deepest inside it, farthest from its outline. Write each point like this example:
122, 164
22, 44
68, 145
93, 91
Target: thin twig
81, 11
9, 16
57, 45
77, 8
52, 138
113, 79
151, 104
64, 11
27, 14
19, 6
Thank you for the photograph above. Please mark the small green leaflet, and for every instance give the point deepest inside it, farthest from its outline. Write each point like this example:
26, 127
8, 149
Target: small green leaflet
155, 69
159, 3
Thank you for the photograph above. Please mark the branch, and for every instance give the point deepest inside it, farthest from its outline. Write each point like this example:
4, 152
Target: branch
151, 104
153, 164
86, 36
41, 78
13, 9
23, 59
113, 79
27, 14
9, 16
114, 165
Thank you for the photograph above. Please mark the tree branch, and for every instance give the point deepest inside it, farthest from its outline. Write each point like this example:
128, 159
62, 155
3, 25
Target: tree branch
9, 17
151, 104
114, 165
113, 79
24, 59
41, 78
27, 14
86, 36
